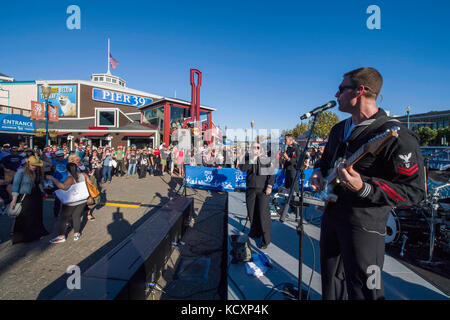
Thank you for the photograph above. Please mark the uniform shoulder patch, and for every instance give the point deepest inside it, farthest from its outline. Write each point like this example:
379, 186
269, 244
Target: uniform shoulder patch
407, 166
406, 159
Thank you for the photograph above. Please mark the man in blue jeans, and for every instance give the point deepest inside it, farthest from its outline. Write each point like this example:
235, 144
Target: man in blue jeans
107, 166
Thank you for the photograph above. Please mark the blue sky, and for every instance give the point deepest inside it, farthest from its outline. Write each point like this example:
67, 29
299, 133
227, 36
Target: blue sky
261, 60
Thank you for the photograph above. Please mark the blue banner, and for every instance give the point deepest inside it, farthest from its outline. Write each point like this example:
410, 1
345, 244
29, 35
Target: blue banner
224, 179
228, 179
119, 98
16, 123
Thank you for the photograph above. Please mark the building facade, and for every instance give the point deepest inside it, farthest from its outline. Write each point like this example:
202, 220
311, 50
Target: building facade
168, 115
101, 112
433, 119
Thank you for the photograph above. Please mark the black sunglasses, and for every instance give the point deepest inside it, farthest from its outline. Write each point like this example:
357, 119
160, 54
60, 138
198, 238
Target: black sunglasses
342, 88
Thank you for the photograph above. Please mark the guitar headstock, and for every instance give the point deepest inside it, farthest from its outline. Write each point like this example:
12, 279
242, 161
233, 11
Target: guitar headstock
377, 143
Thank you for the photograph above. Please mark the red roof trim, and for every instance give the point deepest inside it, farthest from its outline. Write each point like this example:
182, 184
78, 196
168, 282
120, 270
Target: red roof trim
138, 134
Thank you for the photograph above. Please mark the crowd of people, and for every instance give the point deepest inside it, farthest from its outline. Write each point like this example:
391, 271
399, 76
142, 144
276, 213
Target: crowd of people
29, 175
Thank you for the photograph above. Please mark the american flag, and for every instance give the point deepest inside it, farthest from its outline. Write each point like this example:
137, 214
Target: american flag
113, 61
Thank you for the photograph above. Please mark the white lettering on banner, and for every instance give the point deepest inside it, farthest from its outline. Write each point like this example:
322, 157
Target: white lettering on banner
119, 97
65, 90
106, 94
17, 123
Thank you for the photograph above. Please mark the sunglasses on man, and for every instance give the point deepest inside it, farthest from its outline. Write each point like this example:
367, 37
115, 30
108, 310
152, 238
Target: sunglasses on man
342, 88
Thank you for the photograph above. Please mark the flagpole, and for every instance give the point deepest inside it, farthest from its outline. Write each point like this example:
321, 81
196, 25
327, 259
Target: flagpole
108, 57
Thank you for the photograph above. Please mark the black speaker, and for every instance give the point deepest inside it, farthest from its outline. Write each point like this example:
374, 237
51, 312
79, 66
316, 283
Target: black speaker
126, 271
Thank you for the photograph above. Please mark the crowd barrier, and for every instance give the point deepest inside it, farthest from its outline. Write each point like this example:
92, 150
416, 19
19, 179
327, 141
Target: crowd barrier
228, 179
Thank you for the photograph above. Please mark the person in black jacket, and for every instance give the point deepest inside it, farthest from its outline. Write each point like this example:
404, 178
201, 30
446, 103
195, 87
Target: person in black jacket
352, 239
290, 157
259, 181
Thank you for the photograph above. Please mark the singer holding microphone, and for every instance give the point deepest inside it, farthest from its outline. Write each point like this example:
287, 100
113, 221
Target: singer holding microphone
259, 181
353, 229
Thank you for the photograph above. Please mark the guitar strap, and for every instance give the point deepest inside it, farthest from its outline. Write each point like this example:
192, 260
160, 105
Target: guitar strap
361, 131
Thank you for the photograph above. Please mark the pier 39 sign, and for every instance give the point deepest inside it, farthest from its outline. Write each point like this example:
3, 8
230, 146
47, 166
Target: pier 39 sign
119, 98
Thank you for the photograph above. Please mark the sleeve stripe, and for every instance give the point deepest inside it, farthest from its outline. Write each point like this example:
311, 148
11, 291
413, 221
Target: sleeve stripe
389, 191
408, 170
407, 173
366, 191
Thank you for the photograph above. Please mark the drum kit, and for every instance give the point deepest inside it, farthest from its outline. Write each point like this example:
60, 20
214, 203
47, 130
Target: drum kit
426, 224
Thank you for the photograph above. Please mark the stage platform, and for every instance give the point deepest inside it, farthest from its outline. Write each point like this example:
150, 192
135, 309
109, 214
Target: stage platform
400, 282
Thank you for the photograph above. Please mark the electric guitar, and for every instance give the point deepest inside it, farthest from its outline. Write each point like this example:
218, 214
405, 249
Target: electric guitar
373, 146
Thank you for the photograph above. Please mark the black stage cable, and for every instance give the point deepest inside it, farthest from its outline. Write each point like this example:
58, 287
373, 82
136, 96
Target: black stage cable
273, 290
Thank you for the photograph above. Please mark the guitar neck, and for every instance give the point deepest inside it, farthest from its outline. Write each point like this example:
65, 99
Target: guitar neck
349, 162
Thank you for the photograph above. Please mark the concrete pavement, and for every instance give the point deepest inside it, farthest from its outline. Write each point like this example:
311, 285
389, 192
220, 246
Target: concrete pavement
37, 270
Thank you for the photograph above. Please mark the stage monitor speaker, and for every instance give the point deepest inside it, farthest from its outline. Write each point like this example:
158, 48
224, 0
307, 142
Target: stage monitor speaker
126, 271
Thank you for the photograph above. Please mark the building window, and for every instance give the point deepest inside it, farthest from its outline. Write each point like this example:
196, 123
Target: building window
114, 81
178, 115
203, 116
445, 123
107, 118
154, 117
95, 78
100, 79
108, 79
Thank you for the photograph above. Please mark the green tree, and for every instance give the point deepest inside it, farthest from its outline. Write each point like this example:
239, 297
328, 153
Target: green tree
426, 135
441, 133
324, 123
299, 130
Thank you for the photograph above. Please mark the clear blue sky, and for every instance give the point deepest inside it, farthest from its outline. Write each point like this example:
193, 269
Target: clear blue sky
268, 61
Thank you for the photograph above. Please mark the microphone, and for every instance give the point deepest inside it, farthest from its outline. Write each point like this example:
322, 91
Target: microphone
320, 109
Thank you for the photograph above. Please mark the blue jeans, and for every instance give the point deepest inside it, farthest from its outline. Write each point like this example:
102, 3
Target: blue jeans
107, 173
131, 168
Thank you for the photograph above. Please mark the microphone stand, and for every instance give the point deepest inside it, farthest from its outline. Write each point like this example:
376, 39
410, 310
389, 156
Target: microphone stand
300, 172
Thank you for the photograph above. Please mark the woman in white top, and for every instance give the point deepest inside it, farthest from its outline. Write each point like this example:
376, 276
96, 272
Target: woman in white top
72, 210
